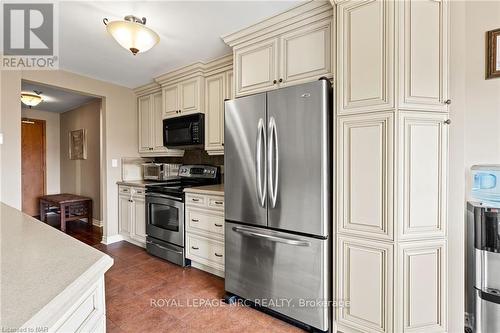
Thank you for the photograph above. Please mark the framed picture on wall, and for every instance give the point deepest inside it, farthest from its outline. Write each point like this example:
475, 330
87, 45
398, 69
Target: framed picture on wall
493, 54
78, 145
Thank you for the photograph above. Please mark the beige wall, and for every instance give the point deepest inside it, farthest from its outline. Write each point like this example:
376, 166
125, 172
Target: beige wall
119, 130
83, 177
52, 146
474, 134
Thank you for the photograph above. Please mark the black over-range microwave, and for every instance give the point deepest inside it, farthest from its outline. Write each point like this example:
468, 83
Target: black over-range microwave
185, 132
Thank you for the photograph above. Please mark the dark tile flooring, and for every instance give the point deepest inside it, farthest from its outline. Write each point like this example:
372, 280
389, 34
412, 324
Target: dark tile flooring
147, 294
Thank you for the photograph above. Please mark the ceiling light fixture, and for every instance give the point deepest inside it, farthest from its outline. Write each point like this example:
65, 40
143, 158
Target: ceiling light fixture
31, 99
132, 34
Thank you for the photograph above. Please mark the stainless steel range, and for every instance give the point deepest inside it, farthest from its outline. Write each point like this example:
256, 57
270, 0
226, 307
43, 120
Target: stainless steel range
165, 211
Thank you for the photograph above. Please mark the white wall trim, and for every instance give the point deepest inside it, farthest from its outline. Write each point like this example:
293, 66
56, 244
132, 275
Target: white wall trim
112, 239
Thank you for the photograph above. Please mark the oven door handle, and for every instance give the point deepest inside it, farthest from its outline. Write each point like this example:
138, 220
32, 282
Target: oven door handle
158, 195
273, 238
163, 247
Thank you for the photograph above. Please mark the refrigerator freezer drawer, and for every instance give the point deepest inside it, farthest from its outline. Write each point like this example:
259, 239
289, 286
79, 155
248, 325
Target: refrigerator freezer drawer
276, 268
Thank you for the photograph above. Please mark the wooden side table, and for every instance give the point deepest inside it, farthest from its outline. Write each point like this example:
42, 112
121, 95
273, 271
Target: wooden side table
71, 207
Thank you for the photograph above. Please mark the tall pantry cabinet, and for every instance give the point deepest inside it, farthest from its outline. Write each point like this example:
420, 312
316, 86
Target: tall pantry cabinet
392, 124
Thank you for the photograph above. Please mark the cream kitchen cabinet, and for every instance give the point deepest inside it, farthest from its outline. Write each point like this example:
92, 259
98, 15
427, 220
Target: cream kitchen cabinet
132, 214
423, 50
204, 219
218, 87
421, 291
150, 122
365, 200
365, 279
184, 98
291, 48
422, 169
365, 56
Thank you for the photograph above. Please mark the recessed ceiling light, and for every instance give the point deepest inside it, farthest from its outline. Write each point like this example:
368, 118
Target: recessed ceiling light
132, 34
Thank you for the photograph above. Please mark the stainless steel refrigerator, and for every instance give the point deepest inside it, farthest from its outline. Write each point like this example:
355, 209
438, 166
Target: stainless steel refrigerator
277, 163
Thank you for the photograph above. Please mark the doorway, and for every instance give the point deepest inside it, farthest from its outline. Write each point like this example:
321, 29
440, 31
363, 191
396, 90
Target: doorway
33, 171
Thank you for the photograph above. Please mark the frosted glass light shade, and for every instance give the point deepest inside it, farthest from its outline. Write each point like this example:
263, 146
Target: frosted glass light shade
133, 36
31, 99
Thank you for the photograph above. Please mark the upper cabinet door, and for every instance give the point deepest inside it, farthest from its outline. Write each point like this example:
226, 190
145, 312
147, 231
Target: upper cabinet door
190, 92
157, 126
214, 107
256, 67
306, 53
229, 84
424, 55
365, 56
171, 101
145, 120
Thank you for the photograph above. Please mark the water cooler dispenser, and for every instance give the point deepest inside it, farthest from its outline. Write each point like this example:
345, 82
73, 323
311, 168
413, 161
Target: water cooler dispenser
483, 251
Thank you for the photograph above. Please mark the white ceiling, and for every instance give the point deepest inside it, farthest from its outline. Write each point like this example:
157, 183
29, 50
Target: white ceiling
54, 99
189, 31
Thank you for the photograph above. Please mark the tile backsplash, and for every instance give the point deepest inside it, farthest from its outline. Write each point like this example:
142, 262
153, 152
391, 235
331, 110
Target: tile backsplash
197, 156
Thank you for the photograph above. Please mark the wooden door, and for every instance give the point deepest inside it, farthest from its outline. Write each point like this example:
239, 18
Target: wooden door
32, 164
144, 110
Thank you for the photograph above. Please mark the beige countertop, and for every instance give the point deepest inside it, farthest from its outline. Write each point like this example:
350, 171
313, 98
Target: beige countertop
207, 189
38, 263
136, 183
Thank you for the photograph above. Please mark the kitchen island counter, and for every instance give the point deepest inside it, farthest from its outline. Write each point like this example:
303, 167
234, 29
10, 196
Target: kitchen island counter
48, 279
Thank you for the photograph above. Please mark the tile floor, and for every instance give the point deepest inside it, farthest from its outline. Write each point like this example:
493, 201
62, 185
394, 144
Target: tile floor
138, 279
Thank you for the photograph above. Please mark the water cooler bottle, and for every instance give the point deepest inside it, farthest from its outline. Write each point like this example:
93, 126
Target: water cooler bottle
483, 252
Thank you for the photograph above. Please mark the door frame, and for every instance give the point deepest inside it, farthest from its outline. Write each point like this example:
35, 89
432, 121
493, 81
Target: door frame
44, 153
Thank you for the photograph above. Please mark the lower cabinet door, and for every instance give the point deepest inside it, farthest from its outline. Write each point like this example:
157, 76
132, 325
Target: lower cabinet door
124, 214
421, 303
139, 219
365, 270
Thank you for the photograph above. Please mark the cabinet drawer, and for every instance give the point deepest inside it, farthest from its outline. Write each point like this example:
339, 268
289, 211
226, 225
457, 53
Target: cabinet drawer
204, 221
205, 251
216, 202
195, 200
138, 191
124, 189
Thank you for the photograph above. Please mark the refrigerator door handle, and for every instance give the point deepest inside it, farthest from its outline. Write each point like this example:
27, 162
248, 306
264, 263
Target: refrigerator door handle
261, 139
273, 155
273, 238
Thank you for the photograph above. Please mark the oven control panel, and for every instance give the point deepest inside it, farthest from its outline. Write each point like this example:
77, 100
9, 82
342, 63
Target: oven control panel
198, 171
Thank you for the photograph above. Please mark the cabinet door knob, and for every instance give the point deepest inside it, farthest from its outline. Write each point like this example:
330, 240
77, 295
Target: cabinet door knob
281, 80
448, 101
195, 220
195, 248
447, 121
274, 81
218, 225
218, 255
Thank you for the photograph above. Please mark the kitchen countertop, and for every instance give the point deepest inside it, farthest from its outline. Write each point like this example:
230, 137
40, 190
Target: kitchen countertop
207, 189
39, 265
136, 183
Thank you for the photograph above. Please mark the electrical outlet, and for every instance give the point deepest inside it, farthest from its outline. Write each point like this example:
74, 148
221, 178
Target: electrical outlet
114, 163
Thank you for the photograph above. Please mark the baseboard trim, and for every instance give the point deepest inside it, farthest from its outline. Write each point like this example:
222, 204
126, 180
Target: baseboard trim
208, 269
112, 239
